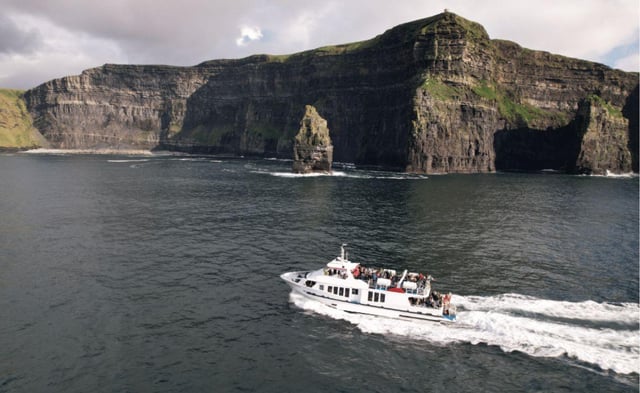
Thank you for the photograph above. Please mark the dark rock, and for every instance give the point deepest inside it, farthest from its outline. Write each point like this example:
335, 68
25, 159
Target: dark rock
312, 148
604, 139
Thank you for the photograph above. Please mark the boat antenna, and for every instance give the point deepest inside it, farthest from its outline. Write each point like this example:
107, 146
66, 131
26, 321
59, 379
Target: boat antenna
342, 254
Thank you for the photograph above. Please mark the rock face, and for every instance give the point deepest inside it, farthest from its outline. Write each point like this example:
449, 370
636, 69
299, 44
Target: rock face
114, 106
433, 95
312, 148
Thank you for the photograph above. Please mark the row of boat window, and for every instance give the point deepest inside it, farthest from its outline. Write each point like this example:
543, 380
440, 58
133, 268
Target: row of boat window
373, 296
340, 291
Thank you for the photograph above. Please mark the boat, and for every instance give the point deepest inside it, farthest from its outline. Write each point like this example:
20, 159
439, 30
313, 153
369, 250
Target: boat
354, 288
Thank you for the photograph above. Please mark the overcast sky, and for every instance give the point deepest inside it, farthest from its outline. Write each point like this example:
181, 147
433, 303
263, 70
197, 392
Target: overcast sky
45, 39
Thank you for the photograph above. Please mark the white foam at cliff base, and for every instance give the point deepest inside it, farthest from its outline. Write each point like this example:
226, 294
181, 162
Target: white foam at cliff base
627, 175
612, 175
90, 151
489, 320
291, 174
353, 175
138, 160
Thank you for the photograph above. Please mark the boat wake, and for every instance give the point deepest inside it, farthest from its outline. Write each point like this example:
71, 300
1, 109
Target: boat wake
601, 334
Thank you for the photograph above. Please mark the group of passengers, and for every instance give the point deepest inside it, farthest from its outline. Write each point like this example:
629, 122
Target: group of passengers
371, 276
434, 300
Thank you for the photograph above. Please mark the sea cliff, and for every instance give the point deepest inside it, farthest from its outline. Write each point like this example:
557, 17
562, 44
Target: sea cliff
435, 95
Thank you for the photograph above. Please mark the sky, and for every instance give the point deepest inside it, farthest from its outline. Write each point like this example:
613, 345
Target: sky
45, 39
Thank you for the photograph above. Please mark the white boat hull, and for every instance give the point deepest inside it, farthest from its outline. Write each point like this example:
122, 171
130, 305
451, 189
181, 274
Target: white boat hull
297, 280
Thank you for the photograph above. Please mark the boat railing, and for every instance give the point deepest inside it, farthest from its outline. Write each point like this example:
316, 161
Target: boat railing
341, 273
422, 290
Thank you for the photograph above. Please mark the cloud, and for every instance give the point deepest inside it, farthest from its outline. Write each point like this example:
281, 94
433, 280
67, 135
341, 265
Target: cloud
248, 34
15, 38
629, 63
35, 34
48, 51
586, 29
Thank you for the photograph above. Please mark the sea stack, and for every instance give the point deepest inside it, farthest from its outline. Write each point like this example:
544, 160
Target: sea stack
312, 148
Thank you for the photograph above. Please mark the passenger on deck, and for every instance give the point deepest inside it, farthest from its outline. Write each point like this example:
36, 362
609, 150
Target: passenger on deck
429, 302
436, 299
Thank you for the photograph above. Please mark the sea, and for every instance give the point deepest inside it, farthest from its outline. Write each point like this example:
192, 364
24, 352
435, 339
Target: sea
160, 273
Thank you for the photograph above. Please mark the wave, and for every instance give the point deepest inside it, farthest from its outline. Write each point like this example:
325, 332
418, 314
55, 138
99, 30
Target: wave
137, 160
620, 175
295, 175
191, 159
352, 175
90, 151
601, 334
277, 159
613, 175
183, 159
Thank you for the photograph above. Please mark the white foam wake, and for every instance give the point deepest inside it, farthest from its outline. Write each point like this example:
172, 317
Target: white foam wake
606, 335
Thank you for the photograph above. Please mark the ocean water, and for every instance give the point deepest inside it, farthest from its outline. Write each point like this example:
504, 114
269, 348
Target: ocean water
161, 274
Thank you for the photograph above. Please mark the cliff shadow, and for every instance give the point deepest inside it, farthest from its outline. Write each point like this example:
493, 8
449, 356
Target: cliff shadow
630, 111
526, 149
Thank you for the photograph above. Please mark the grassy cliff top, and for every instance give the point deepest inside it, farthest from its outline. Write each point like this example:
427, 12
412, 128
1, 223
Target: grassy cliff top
16, 126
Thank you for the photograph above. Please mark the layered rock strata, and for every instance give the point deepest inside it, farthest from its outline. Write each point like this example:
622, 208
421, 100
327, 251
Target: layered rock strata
433, 95
312, 148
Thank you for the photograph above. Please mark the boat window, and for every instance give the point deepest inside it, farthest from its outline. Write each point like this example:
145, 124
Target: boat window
375, 297
329, 289
382, 297
341, 291
346, 292
354, 291
370, 297
321, 287
335, 290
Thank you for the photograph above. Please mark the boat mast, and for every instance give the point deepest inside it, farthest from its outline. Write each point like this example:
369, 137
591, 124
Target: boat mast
404, 275
342, 255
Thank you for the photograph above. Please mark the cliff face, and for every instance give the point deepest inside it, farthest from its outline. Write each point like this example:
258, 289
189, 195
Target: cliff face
434, 95
114, 106
487, 105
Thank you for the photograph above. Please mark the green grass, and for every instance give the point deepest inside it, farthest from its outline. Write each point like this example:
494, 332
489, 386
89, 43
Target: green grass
329, 50
472, 30
613, 111
485, 90
16, 125
440, 90
512, 111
